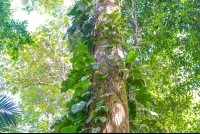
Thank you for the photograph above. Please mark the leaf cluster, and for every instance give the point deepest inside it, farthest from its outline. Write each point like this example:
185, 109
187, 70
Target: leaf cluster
13, 33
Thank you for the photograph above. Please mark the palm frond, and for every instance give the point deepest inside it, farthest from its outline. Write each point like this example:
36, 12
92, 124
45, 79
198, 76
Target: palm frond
9, 112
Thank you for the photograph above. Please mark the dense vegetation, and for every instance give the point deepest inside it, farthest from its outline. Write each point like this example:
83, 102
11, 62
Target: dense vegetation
57, 76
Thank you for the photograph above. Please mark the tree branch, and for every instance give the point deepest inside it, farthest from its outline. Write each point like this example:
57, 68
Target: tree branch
42, 83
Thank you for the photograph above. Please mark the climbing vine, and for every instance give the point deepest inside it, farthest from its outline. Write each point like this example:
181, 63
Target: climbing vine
152, 63
79, 78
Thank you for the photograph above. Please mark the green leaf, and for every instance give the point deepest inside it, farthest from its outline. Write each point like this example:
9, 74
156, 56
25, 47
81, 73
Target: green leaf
94, 43
79, 65
70, 129
80, 51
78, 106
90, 101
90, 59
102, 76
60, 123
107, 34
116, 12
98, 105
143, 97
98, 129
100, 39
100, 85
107, 24
86, 93
100, 27
93, 114
73, 11
104, 65
105, 108
131, 56
107, 46
115, 42
107, 94
96, 119
88, 120
80, 115
95, 65
102, 119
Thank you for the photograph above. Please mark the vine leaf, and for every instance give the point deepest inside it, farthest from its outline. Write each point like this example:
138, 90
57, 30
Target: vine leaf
131, 56
107, 94
107, 34
107, 24
88, 120
100, 75
93, 114
95, 65
70, 129
100, 39
107, 46
105, 108
86, 93
103, 119
100, 27
98, 105
96, 119
78, 106
97, 129
115, 42
143, 97
90, 101
116, 12
90, 59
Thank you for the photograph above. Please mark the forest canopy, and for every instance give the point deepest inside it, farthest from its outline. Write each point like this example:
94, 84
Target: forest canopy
102, 66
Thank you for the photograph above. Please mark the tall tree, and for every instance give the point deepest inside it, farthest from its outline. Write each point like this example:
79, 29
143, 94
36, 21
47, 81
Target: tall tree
117, 103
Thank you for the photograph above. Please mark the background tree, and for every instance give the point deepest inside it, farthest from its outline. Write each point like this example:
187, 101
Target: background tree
37, 76
13, 33
169, 55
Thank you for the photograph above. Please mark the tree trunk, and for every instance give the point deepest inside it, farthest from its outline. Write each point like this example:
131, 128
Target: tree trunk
117, 103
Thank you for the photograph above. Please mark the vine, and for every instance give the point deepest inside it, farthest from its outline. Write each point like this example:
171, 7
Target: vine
81, 39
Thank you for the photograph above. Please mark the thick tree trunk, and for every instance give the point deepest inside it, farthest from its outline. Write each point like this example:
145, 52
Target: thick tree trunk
117, 103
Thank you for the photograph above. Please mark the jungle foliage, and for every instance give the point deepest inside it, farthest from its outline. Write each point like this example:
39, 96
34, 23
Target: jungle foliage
161, 46
13, 33
164, 45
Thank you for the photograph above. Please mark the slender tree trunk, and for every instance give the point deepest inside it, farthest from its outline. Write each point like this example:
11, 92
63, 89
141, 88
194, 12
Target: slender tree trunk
117, 103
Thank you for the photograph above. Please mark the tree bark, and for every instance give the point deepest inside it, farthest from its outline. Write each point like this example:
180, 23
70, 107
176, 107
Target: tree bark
117, 103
